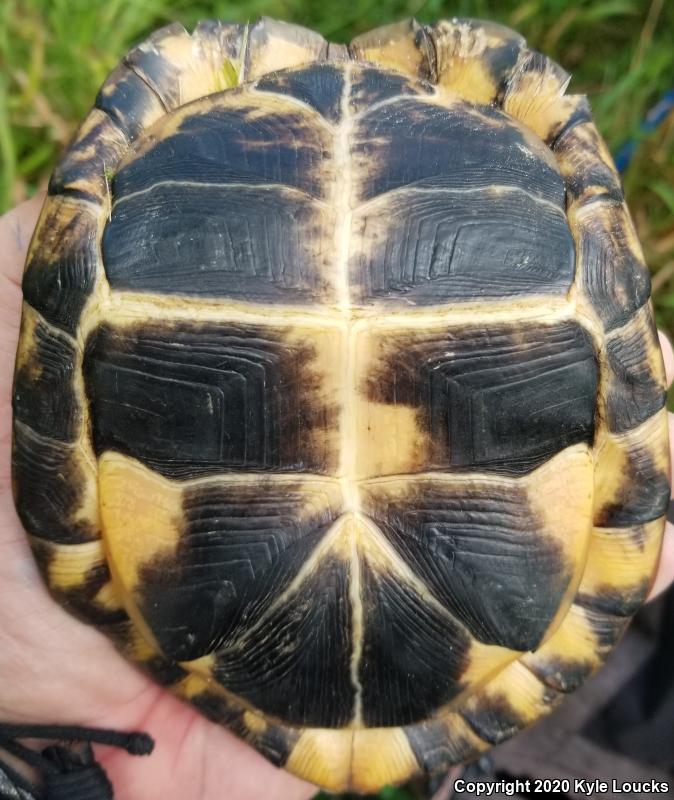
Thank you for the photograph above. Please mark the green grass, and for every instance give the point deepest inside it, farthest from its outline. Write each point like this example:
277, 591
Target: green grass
55, 53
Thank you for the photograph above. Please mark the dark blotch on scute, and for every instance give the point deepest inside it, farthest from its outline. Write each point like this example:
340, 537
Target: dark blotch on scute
634, 392
493, 718
500, 399
224, 145
79, 599
424, 144
429, 244
500, 59
127, 101
482, 553
190, 400
165, 673
239, 549
581, 115
643, 495
589, 178
254, 244
614, 278
413, 655
435, 747
319, 86
44, 395
561, 674
303, 650
616, 602
218, 710
58, 280
274, 743
160, 72
370, 86
606, 628
48, 487
464, 186
82, 171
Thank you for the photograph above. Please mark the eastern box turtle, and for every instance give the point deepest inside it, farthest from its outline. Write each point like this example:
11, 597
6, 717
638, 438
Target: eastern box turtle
338, 403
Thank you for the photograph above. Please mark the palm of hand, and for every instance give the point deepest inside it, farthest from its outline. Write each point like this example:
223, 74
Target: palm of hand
54, 669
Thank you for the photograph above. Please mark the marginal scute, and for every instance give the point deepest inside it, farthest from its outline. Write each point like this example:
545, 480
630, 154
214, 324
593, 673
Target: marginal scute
534, 95
62, 262
323, 756
404, 46
634, 382
273, 45
563, 673
87, 166
585, 161
620, 566
180, 68
360, 760
509, 702
381, 756
129, 101
54, 488
632, 474
44, 394
439, 744
76, 574
274, 741
612, 275
215, 35
607, 628
474, 58
577, 648
617, 602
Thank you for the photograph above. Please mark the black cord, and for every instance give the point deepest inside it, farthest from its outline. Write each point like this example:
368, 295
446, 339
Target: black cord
64, 772
136, 744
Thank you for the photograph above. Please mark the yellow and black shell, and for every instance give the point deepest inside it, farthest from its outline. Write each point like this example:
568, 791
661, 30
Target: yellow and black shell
338, 403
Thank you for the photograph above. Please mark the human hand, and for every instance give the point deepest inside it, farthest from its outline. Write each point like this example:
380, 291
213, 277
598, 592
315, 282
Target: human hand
54, 669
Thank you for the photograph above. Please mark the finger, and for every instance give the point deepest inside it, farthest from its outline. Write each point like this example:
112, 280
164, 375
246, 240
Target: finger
665, 574
16, 229
668, 357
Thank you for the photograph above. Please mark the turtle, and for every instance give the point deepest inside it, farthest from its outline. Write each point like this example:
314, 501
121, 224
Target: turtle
338, 401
